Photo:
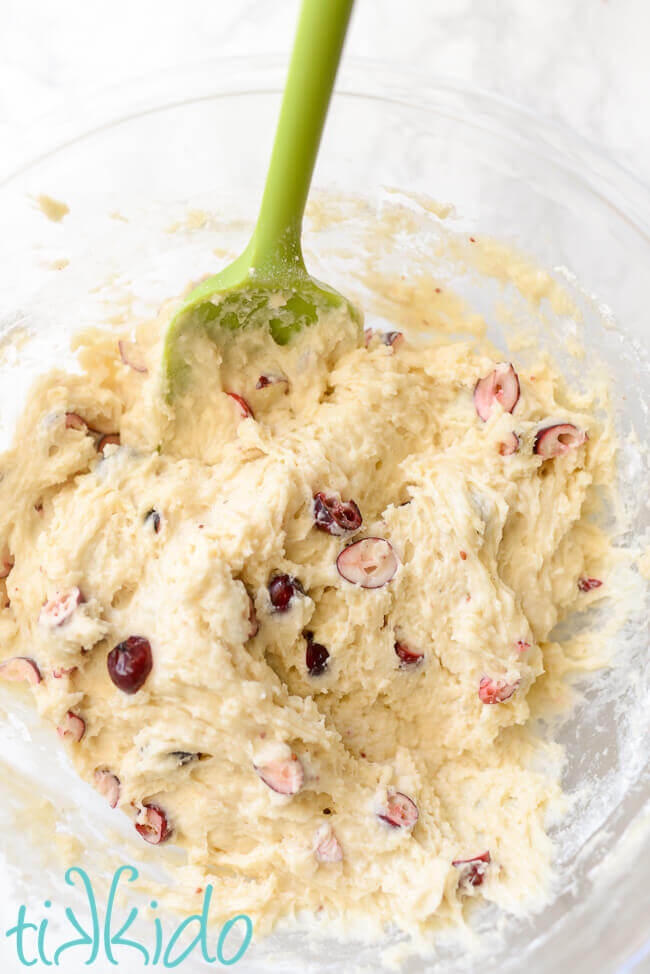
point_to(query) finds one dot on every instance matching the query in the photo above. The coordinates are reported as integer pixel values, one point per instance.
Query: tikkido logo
(32, 943)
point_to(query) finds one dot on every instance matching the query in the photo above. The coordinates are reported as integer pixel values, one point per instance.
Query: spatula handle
(316, 54)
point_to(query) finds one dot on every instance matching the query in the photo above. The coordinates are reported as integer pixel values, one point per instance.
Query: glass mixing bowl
(148, 155)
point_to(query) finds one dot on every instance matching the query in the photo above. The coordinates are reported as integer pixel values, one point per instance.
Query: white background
(583, 62)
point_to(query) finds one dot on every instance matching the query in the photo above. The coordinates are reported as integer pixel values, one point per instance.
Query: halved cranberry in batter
(282, 589)
(369, 563)
(73, 727)
(58, 610)
(130, 663)
(588, 584)
(472, 871)
(316, 656)
(495, 691)
(283, 773)
(558, 440)
(20, 669)
(245, 410)
(107, 440)
(272, 379)
(131, 355)
(327, 847)
(509, 445)
(407, 655)
(501, 385)
(108, 785)
(73, 421)
(154, 827)
(335, 516)
(401, 811)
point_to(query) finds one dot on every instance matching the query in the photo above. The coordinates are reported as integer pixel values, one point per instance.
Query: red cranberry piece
(152, 518)
(401, 811)
(472, 871)
(392, 338)
(327, 847)
(495, 691)
(131, 356)
(245, 410)
(280, 769)
(59, 609)
(522, 645)
(272, 379)
(369, 563)
(407, 656)
(335, 516)
(154, 828)
(107, 440)
(60, 671)
(282, 588)
(108, 785)
(73, 421)
(510, 445)
(587, 584)
(501, 385)
(316, 656)
(556, 441)
(72, 726)
(130, 663)
(20, 668)
(6, 563)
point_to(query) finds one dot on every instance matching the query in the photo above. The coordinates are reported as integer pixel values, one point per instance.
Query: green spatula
(268, 285)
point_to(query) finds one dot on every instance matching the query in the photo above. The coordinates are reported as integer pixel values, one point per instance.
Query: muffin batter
(299, 625)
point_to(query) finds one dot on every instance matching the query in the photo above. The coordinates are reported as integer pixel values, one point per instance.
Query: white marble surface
(581, 62)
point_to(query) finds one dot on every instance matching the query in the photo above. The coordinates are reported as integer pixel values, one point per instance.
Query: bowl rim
(614, 184)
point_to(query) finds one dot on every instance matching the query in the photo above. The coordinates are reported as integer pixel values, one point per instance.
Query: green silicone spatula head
(268, 285)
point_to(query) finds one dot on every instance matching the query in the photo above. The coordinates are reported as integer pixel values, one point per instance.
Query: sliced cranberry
(59, 609)
(152, 517)
(244, 409)
(282, 589)
(327, 847)
(501, 385)
(510, 445)
(392, 338)
(20, 668)
(6, 562)
(282, 773)
(368, 336)
(72, 726)
(556, 441)
(522, 646)
(401, 811)
(407, 657)
(316, 656)
(472, 871)
(587, 584)
(272, 379)
(73, 421)
(369, 563)
(131, 356)
(108, 785)
(60, 671)
(130, 663)
(495, 691)
(108, 440)
(335, 516)
(154, 828)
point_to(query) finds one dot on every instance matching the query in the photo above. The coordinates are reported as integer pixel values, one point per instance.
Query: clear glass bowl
(200, 139)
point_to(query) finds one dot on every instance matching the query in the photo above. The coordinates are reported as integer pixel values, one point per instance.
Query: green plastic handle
(314, 62)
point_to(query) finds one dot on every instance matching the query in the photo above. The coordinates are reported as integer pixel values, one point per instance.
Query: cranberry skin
(407, 656)
(130, 663)
(472, 871)
(282, 589)
(316, 656)
(588, 584)
(335, 516)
